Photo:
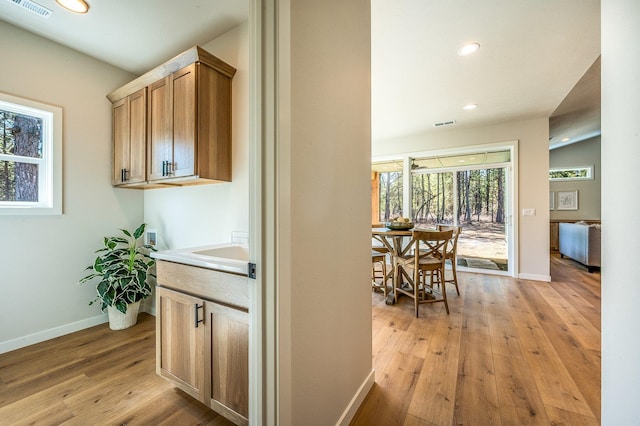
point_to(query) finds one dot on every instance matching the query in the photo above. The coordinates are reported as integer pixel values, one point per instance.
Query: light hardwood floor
(512, 352)
(94, 377)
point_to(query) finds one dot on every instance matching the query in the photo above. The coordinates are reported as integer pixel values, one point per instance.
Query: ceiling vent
(444, 123)
(33, 7)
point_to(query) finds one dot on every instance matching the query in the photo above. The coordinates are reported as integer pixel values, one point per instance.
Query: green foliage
(122, 267)
(390, 195)
(577, 173)
(478, 196)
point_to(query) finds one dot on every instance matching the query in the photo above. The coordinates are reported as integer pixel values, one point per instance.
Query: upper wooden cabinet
(187, 121)
(130, 138)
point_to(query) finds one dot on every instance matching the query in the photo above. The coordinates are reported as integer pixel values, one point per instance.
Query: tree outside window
(387, 191)
(30, 157)
(20, 144)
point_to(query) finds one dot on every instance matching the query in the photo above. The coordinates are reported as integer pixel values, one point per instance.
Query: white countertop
(237, 264)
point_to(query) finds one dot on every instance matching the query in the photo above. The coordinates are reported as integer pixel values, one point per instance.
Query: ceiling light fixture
(469, 107)
(468, 49)
(75, 6)
(566, 139)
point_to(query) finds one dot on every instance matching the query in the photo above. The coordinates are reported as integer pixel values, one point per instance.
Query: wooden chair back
(430, 248)
(453, 245)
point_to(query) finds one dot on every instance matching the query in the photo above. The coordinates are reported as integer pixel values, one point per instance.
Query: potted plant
(123, 267)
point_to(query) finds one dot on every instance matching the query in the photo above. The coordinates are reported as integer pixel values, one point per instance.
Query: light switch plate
(528, 212)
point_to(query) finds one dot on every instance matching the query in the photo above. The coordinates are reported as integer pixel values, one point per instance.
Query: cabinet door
(129, 138)
(120, 140)
(137, 136)
(160, 129)
(228, 338)
(180, 341)
(183, 92)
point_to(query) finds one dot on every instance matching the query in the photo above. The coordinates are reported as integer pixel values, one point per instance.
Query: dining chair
(452, 252)
(376, 245)
(379, 257)
(426, 260)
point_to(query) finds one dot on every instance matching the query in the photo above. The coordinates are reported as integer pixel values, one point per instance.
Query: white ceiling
(532, 52)
(134, 35)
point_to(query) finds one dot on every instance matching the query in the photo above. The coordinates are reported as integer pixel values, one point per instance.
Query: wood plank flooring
(512, 352)
(94, 377)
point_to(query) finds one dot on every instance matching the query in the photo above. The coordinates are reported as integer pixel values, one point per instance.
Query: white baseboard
(534, 277)
(52, 333)
(357, 399)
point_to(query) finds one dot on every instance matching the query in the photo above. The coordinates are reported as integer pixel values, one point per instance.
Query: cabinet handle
(124, 175)
(172, 167)
(196, 308)
(164, 168)
(121, 175)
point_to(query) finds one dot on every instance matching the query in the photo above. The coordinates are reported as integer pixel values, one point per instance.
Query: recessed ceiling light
(76, 6)
(468, 49)
(469, 107)
(566, 139)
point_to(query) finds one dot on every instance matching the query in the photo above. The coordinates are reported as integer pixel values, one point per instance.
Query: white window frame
(49, 166)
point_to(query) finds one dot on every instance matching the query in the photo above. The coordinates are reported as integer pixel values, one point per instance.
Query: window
(471, 187)
(432, 198)
(387, 195)
(459, 189)
(30, 157)
(571, 173)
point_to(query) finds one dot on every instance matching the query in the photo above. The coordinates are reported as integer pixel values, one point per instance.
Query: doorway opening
(472, 189)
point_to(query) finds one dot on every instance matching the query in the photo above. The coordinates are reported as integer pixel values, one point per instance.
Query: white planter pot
(120, 321)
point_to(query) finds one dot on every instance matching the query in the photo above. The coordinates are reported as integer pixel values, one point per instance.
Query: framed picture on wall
(567, 200)
(552, 200)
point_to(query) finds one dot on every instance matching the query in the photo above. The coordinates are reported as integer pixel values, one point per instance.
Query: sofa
(581, 242)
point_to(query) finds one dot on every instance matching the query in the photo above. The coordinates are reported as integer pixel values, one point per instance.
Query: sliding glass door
(474, 196)
(473, 190)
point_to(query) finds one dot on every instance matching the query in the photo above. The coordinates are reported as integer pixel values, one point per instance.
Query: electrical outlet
(528, 212)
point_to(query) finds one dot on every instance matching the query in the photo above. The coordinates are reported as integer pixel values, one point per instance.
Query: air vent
(444, 123)
(33, 7)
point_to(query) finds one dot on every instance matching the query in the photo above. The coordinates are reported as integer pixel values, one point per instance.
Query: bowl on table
(399, 226)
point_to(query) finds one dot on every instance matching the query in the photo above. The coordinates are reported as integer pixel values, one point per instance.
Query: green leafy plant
(123, 267)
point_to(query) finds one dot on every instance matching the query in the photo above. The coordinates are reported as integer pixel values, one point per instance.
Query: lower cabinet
(227, 336)
(203, 348)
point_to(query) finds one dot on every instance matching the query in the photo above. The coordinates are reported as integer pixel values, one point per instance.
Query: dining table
(398, 242)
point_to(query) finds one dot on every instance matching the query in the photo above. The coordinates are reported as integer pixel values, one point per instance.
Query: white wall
(620, 206)
(533, 178)
(585, 153)
(198, 215)
(323, 174)
(42, 258)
